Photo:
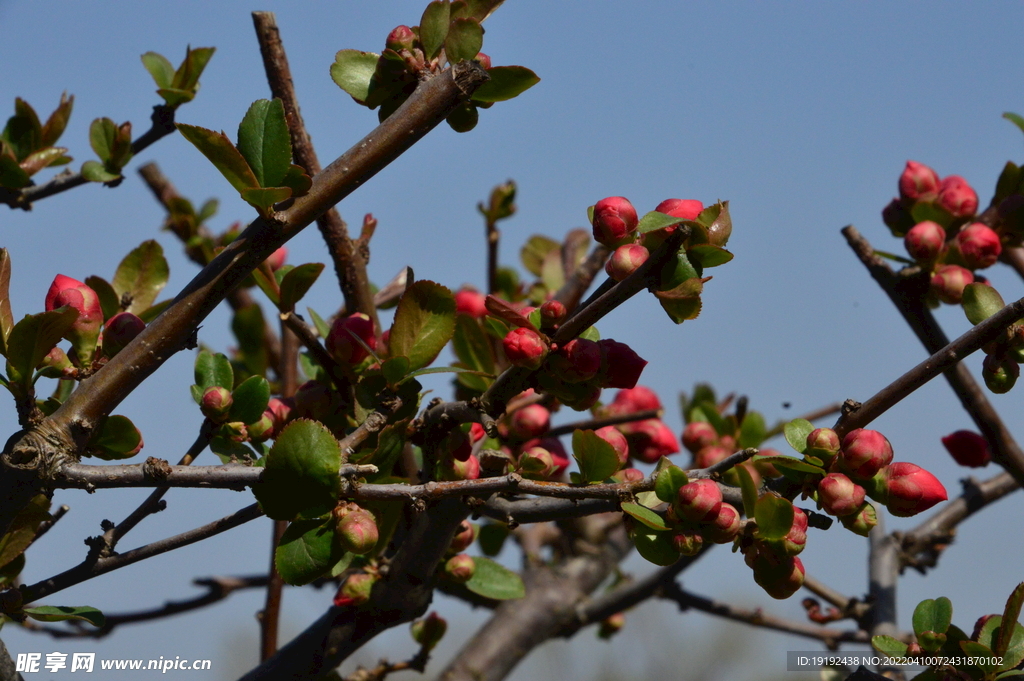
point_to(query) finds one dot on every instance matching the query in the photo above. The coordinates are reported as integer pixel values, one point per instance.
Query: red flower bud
(688, 209)
(476, 433)
(119, 331)
(216, 404)
(925, 240)
(957, 197)
(263, 429)
(281, 409)
(463, 537)
(341, 344)
(688, 542)
(485, 60)
(620, 366)
(640, 398)
(839, 495)
(699, 434)
(865, 452)
(795, 540)
(699, 501)
(86, 329)
(823, 443)
(980, 245)
(911, 489)
(429, 631)
(651, 439)
(625, 260)
(709, 456)
(470, 301)
(276, 259)
(780, 581)
(552, 313)
(460, 568)
(234, 431)
(357, 532)
(617, 440)
(453, 469)
(577, 361)
(725, 527)
(558, 454)
(537, 462)
(862, 521)
(400, 38)
(629, 475)
(615, 220)
(919, 182)
(949, 281)
(968, 448)
(531, 421)
(525, 348)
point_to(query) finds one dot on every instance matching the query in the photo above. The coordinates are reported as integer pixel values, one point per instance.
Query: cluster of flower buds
(355, 528)
(649, 439)
(708, 447)
(774, 561)
(698, 515)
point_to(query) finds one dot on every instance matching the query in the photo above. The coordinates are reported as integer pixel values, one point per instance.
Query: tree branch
(158, 473)
(575, 286)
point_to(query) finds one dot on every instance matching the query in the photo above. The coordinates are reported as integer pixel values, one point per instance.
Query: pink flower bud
(471, 302)
(796, 539)
(356, 590)
(429, 631)
(537, 462)
(611, 625)
(531, 421)
(1000, 373)
(919, 182)
(216, 404)
(119, 331)
(957, 197)
(632, 400)
(725, 527)
(476, 433)
(779, 581)
(839, 495)
(925, 240)
(968, 448)
(460, 568)
(234, 431)
(699, 501)
(457, 444)
(341, 344)
(620, 366)
(823, 443)
(651, 439)
(463, 537)
(485, 60)
(263, 429)
(709, 456)
(55, 362)
(687, 209)
(552, 313)
(281, 410)
(862, 521)
(980, 245)
(688, 542)
(358, 532)
(276, 259)
(525, 348)
(629, 475)
(615, 220)
(865, 452)
(949, 281)
(911, 489)
(459, 470)
(625, 260)
(400, 38)
(65, 291)
(699, 434)
(617, 440)
(577, 361)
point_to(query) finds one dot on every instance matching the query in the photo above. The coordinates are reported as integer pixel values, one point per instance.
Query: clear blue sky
(800, 114)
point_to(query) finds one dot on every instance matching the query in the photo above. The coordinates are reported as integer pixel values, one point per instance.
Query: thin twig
(158, 473)
(304, 334)
(575, 286)
(594, 424)
(812, 416)
(47, 525)
(94, 568)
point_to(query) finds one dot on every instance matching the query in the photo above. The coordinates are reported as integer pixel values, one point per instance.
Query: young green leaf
(1015, 119)
(57, 122)
(263, 199)
(424, 323)
(471, 344)
(395, 369)
(141, 276)
(981, 301)
(264, 142)
(59, 613)
(301, 472)
(160, 68)
(506, 82)
(23, 528)
(307, 550)
(353, 71)
(464, 40)
(249, 400)
(434, 27)
(117, 438)
(654, 220)
(32, 338)
(493, 580)
(94, 171)
(668, 482)
(887, 645)
(933, 615)
(6, 314)
(596, 458)
(774, 516)
(222, 153)
(1011, 613)
(297, 282)
(213, 370)
(533, 252)
(796, 432)
(655, 547)
(645, 516)
(322, 327)
(753, 430)
(187, 76)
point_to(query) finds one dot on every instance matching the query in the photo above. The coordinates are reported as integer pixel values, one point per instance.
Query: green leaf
(110, 302)
(790, 463)
(1015, 119)
(933, 615)
(11, 174)
(117, 438)
(707, 255)
(228, 451)
(506, 82)
(32, 338)
(301, 472)
(654, 221)
(668, 482)
(390, 442)
(352, 71)
(716, 220)
(981, 301)
(753, 431)
(59, 613)
(175, 97)
(307, 550)
(213, 370)
(645, 516)
(57, 122)
(297, 282)
(492, 537)
(774, 516)
(264, 199)
(395, 369)
(249, 400)
(187, 76)
(492, 580)
(434, 27)
(708, 413)
(160, 68)
(887, 645)
(222, 153)
(471, 344)
(1011, 613)
(591, 334)
(322, 327)
(983, 652)
(930, 211)
(102, 137)
(94, 171)
(264, 142)
(424, 323)
(552, 272)
(796, 432)
(596, 458)
(247, 325)
(23, 528)
(6, 314)
(533, 252)
(141, 275)
(464, 40)
(655, 547)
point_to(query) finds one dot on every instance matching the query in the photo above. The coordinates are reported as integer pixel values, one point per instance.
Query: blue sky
(801, 115)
